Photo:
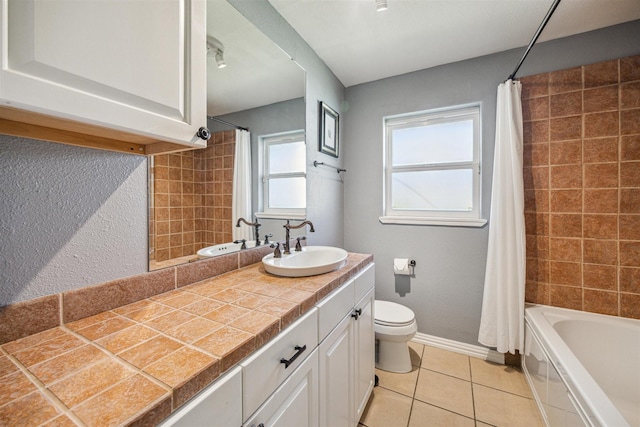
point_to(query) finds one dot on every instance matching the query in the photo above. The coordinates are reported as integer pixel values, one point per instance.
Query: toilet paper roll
(401, 266)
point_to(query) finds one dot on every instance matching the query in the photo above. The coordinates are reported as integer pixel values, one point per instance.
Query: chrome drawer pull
(299, 351)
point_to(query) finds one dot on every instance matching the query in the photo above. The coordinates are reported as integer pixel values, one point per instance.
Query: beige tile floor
(450, 389)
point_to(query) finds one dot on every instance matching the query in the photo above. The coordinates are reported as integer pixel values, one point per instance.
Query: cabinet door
(132, 66)
(295, 402)
(336, 377)
(364, 350)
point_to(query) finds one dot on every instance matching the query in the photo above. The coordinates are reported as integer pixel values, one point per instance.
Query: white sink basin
(223, 248)
(310, 261)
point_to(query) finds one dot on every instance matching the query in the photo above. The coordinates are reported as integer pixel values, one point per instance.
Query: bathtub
(583, 368)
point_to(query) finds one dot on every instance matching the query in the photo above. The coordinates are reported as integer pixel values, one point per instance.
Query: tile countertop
(135, 364)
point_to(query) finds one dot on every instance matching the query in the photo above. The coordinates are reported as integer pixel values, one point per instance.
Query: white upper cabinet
(136, 67)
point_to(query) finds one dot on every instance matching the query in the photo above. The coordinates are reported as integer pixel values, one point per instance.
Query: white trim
(450, 221)
(268, 215)
(460, 347)
(465, 112)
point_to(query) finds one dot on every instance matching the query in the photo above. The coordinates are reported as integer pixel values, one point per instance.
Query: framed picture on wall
(329, 125)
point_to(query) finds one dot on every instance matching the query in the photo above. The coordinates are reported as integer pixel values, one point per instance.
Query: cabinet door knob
(356, 313)
(203, 133)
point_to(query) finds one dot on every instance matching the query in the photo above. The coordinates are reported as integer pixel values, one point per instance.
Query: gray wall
(446, 292)
(69, 217)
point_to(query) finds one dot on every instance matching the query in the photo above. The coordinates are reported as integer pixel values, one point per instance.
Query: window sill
(450, 222)
(266, 215)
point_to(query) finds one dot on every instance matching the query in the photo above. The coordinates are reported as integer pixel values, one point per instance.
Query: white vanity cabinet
(218, 405)
(128, 70)
(278, 382)
(295, 402)
(319, 371)
(347, 352)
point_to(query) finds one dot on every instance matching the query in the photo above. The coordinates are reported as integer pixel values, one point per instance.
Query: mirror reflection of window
(284, 179)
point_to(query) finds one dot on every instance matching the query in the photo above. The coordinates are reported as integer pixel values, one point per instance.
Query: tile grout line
(43, 389)
(473, 400)
(415, 387)
(471, 383)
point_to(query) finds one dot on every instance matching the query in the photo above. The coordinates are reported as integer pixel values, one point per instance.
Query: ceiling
(258, 72)
(361, 45)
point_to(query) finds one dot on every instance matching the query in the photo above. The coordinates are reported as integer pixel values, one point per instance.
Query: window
(432, 167)
(283, 170)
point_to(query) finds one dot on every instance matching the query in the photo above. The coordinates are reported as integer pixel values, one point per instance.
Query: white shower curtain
(241, 196)
(502, 322)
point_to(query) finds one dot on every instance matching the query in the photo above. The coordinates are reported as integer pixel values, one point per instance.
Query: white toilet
(394, 326)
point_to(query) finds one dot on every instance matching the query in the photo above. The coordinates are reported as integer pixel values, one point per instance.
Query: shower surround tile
(600, 150)
(565, 152)
(630, 148)
(192, 199)
(601, 74)
(601, 99)
(591, 256)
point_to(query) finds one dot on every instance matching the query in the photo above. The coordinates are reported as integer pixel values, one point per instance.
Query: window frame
(472, 218)
(264, 142)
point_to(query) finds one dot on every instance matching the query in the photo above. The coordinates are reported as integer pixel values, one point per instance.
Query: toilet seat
(389, 313)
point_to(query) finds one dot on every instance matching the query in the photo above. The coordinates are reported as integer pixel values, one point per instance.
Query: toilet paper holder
(403, 266)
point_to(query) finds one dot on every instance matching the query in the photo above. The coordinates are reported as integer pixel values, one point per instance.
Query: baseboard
(460, 347)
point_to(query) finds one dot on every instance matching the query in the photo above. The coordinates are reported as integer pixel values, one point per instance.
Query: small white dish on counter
(223, 249)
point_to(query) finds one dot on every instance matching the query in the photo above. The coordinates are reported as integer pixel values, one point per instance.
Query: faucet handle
(266, 238)
(244, 243)
(298, 245)
(276, 252)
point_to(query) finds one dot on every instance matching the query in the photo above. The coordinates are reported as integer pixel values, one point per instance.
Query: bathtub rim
(581, 385)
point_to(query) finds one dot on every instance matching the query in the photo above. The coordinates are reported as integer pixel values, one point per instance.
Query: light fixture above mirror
(216, 48)
(381, 5)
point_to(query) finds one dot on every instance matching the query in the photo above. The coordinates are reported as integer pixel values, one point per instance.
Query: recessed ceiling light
(381, 5)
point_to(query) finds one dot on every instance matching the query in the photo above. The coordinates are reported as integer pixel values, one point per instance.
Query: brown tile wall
(192, 199)
(582, 187)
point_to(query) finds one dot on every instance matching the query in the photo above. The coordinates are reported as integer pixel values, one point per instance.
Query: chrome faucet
(289, 227)
(255, 225)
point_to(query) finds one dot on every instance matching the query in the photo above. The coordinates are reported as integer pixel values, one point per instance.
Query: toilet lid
(391, 314)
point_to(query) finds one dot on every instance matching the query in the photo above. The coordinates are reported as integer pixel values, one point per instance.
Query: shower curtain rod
(535, 37)
(227, 123)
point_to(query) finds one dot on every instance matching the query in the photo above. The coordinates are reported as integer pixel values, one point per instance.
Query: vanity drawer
(364, 281)
(264, 371)
(334, 307)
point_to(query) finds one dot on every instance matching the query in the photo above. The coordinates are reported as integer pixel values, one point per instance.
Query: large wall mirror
(261, 89)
